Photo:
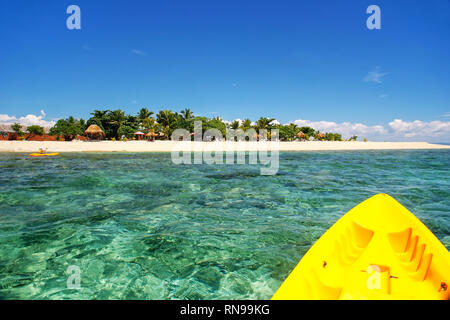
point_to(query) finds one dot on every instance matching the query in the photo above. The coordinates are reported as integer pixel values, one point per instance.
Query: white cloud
(138, 52)
(4, 118)
(28, 120)
(419, 128)
(397, 130)
(347, 129)
(238, 120)
(375, 76)
(446, 115)
(275, 122)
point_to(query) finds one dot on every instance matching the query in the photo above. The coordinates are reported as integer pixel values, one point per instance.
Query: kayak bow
(378, 250)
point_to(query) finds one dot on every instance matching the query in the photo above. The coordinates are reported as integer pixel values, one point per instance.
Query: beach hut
(151, 136)
(320, 136)
(139, 135)
(94, 132)
(301, 135)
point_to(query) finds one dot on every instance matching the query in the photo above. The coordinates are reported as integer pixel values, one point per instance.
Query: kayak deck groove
(378, 250)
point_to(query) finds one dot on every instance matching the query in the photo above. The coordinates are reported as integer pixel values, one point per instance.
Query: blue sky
(309, 60)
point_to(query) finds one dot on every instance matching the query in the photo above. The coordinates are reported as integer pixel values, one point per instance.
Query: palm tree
(133, 122)
(235, 125)
(99, 117)
(186, 119)
(264, 123)
(116, 119)
(188, 115)
(246, 124)
(144, 113)
(149, 124)
(292, 131)
(310, 132)
(99, 114)
(168, 120)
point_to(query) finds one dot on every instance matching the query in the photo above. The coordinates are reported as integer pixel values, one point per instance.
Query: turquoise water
(139, 227)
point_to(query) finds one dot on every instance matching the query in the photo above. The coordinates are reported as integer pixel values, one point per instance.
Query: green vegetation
(333, 136)
(37, 130)
(117, 125)
(68, 128)
(126, 132)
(288, 132)
(246, 124)
(17, 127)
(234, 125)
(167, 121)
(215, 123)
(292, 132)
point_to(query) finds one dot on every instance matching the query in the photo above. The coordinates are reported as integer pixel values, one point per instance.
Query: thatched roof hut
(301, 135)
(320, 136)
(151, 134)
(94, 132)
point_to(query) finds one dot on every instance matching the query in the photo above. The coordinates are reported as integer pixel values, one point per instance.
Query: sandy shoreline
(168, 146)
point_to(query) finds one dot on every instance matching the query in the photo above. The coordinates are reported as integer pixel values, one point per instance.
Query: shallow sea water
(140, 227)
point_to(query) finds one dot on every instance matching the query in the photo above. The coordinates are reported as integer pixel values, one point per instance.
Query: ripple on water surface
(139, 227)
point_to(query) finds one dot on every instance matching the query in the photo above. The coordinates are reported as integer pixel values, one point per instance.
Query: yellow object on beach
(44, 154)
(378, 250)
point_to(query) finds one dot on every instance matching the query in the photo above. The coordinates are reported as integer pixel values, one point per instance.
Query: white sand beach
(168, 146)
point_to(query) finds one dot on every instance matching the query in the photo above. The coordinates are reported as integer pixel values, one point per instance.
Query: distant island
(108, 130)
(117, 125)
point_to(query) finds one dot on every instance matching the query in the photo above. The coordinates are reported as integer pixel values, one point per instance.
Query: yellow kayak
(378, 250)
(44, 154)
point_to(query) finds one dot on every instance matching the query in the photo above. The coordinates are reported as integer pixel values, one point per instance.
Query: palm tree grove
(116, 124)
